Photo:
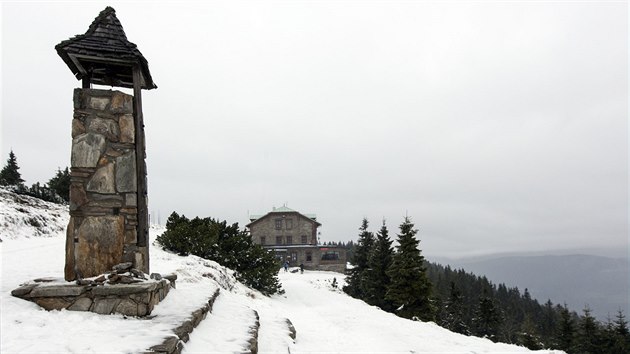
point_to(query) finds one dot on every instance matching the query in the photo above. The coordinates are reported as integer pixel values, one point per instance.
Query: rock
(131, 200)
(123, 289)
(87, 150)
(127, 129)
(69, 268)
(155, 276)
(103, 181)
(23, 290)
(126, 173)
(122, 267)
(100, 244)
(104, 306)
(99, 103)
(168, 345)
(81, 304)
(77, 128)
(53, 303)
(107, 127)
(113, 278)
(126, 279)
(138, 274)
(44, 280)
(100, 279)
(58, 291)
(84, 282)
(121, 103)
(78, 197)
(291, 328)
(127, 307)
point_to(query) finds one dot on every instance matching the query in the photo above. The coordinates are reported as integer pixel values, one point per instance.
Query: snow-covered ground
(326, 320)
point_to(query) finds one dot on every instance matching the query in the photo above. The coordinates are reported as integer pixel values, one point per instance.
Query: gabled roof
(104, 55)
(282, 210)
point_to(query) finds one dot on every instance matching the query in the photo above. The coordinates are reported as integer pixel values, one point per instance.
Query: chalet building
(293, 237)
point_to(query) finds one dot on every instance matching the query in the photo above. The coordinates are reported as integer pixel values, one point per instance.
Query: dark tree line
(56, 190)
(404, 283)
(225, 244)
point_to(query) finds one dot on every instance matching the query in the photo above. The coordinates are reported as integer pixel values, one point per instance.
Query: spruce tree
(60, 184)
(487, 318)
(588, 333)
(454, 312)
(409, 290)
(356, 281)
(9, 175)
(565, 335)
(379, 261)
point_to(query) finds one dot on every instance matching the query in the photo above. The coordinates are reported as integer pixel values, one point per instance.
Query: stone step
(276, 334)
(175, 343)
(231, 328)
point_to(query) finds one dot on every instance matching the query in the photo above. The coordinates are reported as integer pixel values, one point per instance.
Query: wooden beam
(143, 212)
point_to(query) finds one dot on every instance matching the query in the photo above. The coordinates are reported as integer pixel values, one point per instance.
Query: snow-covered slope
(22, 216)
(326, 319)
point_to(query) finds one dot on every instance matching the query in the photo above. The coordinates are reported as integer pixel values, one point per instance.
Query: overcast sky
(497, 126)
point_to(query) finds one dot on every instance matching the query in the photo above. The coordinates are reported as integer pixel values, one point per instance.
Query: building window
(304, 239)
(278, 240)
(330, 256)
(289, 240)
(309, 256)
(289, 224)
(293, 256)
(262, 240)
(278, 224)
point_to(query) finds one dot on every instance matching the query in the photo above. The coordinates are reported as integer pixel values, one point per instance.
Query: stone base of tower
(103, 228)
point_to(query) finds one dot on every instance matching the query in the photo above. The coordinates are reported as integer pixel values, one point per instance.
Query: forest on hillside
(401, 281)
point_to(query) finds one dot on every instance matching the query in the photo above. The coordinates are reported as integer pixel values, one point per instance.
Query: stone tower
(108, 193)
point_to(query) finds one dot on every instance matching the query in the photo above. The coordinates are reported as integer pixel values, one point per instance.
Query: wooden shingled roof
(103, 54)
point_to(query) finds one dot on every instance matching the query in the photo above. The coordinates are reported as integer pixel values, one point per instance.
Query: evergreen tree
(588, 333)
(409, 290)
(9, 175)
(529, 337)
(487, 318)
(621, 339)
(376, 280)
(453, 318)
(60, 184)
(356, 281)
(565, 337)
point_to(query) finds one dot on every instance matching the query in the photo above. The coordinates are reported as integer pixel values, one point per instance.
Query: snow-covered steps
(174, 344)
(276, 334)
(231, 327)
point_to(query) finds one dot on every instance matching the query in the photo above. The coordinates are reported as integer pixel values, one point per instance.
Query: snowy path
(328, 321)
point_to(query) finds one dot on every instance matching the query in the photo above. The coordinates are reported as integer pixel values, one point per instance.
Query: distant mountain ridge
(578, 280)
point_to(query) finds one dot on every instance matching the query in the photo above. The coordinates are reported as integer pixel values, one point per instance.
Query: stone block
(78, 197)
(105, 306)
(87, 150)
(81, 304)
(100, 244)
(69, 268)
(54, 303)
(169, 345)
(127, 129)
(131, 200)
(23, 290)
(127, 307)
(131, 237)
(57, 291)
(103, 180)
(98, 103)
(104, 126)
(106, 201)
(121, 103)
(126, 173)
(124, 289)
(78, 128)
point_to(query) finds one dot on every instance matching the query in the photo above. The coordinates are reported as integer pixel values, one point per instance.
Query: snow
(325, 318)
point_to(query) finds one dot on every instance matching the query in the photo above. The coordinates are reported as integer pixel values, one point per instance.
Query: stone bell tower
(108, 193)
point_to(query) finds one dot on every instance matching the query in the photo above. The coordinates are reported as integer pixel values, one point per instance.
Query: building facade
(292, 236)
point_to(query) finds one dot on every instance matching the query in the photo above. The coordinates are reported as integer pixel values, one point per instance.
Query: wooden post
(143, 213)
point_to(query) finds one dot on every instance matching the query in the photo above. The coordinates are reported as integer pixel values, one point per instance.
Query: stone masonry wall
(103, 194)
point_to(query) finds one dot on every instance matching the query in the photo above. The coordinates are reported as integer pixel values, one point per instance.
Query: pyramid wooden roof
(103, 54)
